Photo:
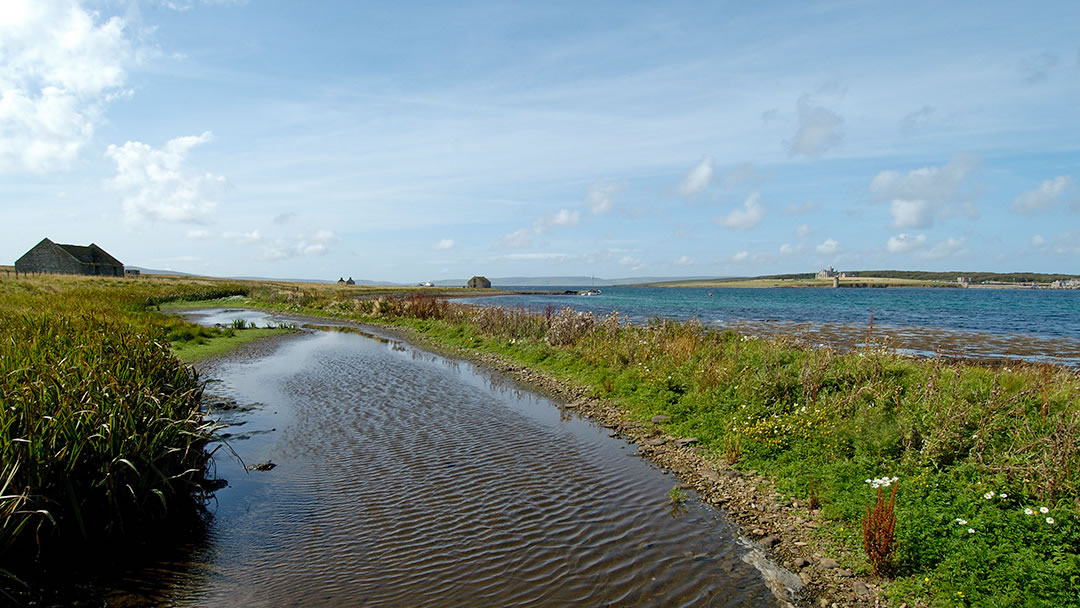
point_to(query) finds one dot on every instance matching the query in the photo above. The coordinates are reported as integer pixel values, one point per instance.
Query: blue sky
(410, 141)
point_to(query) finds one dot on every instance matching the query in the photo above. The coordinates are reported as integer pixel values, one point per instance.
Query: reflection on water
(408, 479)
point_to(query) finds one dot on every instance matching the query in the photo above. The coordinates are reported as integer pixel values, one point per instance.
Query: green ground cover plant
(102, 436)
(986, 459)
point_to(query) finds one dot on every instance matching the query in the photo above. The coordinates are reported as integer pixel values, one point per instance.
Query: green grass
(192, 351)
(101, 433)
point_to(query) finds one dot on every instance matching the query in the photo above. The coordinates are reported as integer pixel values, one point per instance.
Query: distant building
(478, 283)
(963, 281)
(48, 256)
(848, 275)
(350, 282)
(1066, 284)
(341, 281)
(827, 274)
(132, 272)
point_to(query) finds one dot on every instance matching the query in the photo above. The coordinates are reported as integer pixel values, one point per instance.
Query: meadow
(101, 431)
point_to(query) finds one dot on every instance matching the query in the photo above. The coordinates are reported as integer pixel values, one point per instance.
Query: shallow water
(408, 479)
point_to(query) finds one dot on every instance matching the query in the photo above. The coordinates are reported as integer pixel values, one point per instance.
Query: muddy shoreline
(776, 530)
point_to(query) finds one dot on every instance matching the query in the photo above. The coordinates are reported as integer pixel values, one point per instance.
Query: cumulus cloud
(746, 218)
(633, 263)
(698, 178)
(158, 187)
(819, 130)
(829, 247)
(60, 65)
(601, 197)
(303, 245)
(904, 243)
(564, 217)
(911, 214)
(445, 244)
(684, 261)
(802, 230)
(741, 256)
(921, 196)
(1042, 197)
(786, 249)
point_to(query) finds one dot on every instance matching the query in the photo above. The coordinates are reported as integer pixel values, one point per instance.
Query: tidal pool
(404, 478)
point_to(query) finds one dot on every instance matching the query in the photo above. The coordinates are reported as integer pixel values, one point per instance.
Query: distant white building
(827, 274)
(964, 281)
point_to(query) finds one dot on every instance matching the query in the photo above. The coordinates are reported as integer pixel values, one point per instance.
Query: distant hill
(950, 276)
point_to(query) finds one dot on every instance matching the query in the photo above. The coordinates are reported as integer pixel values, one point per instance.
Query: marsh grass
(101, 433)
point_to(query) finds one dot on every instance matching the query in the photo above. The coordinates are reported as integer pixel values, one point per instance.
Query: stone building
(478, 282)
(48, 256)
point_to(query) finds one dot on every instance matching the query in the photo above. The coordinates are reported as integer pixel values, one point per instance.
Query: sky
(412, 141)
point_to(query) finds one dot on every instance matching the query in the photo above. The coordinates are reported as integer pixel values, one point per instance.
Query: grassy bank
(101, 434)
(987, 459)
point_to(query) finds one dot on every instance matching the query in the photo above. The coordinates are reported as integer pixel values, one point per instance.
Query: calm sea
(1012, 323)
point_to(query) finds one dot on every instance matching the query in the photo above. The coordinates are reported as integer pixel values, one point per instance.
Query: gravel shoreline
(793, 563)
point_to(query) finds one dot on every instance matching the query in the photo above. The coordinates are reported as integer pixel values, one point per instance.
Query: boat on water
(590, 292)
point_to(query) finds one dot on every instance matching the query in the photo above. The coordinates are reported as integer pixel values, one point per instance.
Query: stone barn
(478, 282)
(48, 256)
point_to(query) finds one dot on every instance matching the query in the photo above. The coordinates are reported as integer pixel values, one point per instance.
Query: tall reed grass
(101, 433)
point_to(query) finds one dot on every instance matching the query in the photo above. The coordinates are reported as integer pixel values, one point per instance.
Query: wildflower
(989, 495)
(1049, 520)
(1044, 510)
(1028, 511)
(1003, 495)
(971, 530)
(962, 522)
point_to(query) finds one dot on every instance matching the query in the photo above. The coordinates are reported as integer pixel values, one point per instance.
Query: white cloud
(60, 65)
(950, 247)
(927, 183)
(829, 247)
(698, 178)
(746, 218)
(302, 246)
(633, 263)
(198, 234)
(1042, 197)
(903, 243)
(1037, 241)
(741, 256)
(684, 261)
(519, 239)
(564, 217)
(923, 195)
(157, 185)
(241, 237)
(911, 214)
(445, 244)
(819, 130)
(802, 230)
(601, 197)
(787, 249)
